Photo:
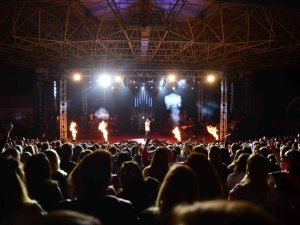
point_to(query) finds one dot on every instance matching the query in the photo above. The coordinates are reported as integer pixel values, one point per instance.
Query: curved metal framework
(183, 34)
(143, 73)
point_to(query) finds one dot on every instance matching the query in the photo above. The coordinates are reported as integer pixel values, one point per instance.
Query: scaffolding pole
(63, 109)
(200, 102)
(223, 109)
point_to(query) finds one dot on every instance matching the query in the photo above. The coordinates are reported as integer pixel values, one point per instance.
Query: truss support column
(200, 102)
(63, 134)
(223, 109)
(85, 104)
(84, 98)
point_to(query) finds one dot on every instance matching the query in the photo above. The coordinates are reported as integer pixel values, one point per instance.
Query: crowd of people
(150, 183)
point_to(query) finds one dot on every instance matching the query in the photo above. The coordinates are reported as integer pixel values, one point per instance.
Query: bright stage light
(181, 83)
(77, 77)
(211, 78)
(104, 80)
(171, 78)
(118, 79)
(162, 82)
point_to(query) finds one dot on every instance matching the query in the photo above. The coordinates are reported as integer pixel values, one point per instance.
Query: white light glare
(118, 79)
(171, 78)
(181, 83)
(104, 80)
(211, 78)
(77, 77)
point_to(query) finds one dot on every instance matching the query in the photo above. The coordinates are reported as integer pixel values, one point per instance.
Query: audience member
(239, 171)
(179, 186)
(65, 153)
(92, 180)
(39, 182)
(255, 187)
(57, 174)
(210, 186)
(141, 192)
(66, 217)
(220, 212)
(16, 207)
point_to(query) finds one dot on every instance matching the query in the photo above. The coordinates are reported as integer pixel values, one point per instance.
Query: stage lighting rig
(104, 80)
(77, 77)
(210, 78)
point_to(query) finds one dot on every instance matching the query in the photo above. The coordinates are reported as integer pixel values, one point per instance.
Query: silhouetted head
(67, 217)
(221, 212)
(179, 186)
(95, 172)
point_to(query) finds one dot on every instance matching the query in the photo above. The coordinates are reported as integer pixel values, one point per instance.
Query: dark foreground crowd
(154, 183)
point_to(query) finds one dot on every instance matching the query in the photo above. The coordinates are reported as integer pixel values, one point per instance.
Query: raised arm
(7, 130)
(145, 153)
(274, 150)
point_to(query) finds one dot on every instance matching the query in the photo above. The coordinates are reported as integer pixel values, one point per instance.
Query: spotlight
(104, 80)
(77, 77)
(171, 78)
(118, 79)
(181, 83)
(162, 82)
(211, 78)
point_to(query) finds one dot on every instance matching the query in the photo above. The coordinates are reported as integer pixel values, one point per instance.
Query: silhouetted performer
(147, 128)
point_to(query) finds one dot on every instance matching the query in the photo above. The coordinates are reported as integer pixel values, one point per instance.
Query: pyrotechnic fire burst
(102, 127)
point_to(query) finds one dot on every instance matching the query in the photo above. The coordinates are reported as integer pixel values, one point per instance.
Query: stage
(140, 138)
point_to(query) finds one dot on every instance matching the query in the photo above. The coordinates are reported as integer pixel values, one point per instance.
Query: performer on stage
(147, 128)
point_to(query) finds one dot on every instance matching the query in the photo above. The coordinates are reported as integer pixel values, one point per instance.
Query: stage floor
(140, 138)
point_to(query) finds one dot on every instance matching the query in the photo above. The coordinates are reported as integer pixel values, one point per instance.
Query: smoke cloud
(173, 103)
(102, 114)
(209, 108)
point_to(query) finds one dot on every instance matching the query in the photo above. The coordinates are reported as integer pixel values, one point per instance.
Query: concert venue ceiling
(150, 34)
